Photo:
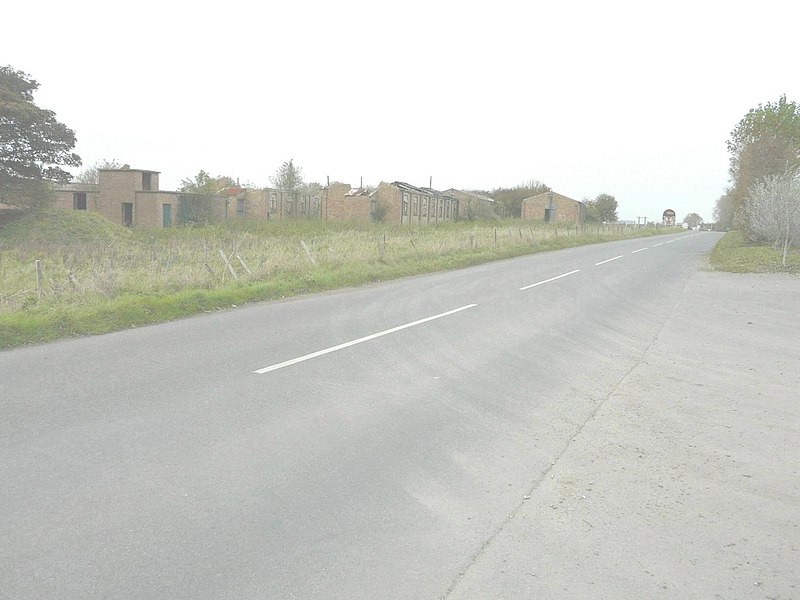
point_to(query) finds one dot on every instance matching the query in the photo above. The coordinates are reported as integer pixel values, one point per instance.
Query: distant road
(369, 443)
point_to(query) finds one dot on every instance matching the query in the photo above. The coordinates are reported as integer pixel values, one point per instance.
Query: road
(368, 443)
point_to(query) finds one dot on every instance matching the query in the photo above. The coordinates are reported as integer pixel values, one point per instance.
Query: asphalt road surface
(527, 428)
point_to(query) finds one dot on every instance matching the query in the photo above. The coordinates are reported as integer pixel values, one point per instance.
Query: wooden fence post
(308, 253)
(38, 279)
(228, 264)
(239, 258)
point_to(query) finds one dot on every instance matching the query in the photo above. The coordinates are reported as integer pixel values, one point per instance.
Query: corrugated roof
(419, 190)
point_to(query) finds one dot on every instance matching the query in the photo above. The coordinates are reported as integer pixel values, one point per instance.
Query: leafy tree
(472, 208)
(288, 178)
(602, 209)
(723, 211)
(33, 144)
(513, 197)
(200, 195)
(203, 183)
(772, 211)
(765, 143)
(693, 220)
(91, 174)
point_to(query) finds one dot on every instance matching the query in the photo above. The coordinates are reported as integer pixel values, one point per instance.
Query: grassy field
(95, 277)
(736, 254)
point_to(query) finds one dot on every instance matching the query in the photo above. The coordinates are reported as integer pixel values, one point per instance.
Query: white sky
(634, 99)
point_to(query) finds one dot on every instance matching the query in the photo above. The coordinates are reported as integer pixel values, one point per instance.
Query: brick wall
(66, 199)
(333, 201)
(390, 201)
(117, 186)
(149, 209)
(339, 206)
(421, 206)
(567, 210)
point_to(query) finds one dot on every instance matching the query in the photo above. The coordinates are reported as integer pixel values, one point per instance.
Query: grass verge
(96, 277)
(734, 253)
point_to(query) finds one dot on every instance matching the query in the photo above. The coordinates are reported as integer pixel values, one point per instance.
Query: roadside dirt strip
(686, 481)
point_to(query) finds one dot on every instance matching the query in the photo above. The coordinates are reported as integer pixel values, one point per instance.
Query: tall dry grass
(88, 264)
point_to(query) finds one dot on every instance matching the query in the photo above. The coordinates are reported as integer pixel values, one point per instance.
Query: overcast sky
(634, 99)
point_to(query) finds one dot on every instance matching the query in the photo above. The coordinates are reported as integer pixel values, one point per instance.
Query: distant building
(270, 204)
(405, 204)
(552, 207)
(397, 203)
(132, 197)
(126, 196)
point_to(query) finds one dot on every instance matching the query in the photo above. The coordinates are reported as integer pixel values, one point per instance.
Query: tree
(723, 211)
(200, 194)
(772, 211)
(512, 197)
(765, 143)
(33, 144)
(91, 174)
(288, 178)
(206, 184)
(602, 209)
(693, 220)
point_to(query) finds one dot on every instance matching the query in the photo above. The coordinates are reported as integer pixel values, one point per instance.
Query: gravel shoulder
(685, 483)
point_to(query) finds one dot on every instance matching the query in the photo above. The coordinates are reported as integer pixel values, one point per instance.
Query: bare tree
(772, 211)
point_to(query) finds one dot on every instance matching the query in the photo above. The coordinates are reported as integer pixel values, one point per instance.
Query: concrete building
(552, 207)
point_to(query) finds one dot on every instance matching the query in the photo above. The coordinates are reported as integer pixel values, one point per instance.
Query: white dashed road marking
(602, 262)
(300, 359)
(527, 287)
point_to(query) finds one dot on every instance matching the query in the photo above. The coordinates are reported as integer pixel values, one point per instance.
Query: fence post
(308, 253)
(239, 258)
(38, 279)
(228, 264)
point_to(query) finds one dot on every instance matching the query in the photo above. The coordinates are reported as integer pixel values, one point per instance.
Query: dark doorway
(127, 214)
(79, 201)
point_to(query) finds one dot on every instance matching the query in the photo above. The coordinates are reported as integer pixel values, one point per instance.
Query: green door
(167, 215)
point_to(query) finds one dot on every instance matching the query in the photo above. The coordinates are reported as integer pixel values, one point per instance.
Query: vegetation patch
(65, 273)
(734, 253)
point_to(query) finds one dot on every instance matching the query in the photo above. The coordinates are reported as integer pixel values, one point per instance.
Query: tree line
(763, 199)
